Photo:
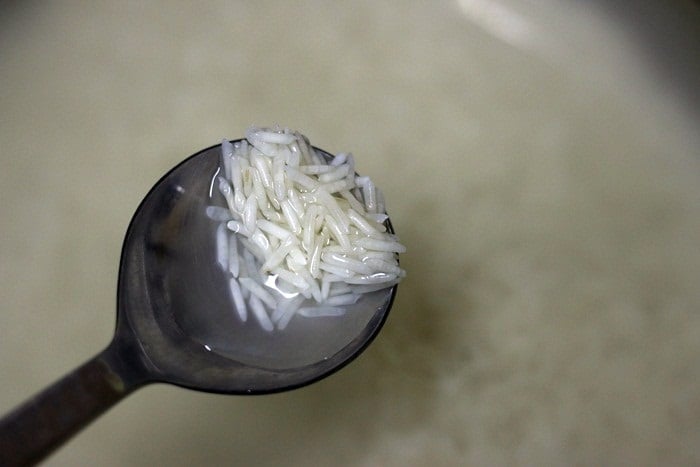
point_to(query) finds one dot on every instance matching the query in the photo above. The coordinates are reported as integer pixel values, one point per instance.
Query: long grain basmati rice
(298, 229)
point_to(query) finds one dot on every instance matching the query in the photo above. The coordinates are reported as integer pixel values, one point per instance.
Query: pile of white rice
(300, 235)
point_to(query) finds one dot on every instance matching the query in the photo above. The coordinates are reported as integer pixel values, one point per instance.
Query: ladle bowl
(167, 284)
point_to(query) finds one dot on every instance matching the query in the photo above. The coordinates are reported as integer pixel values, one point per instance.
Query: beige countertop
(541, 163)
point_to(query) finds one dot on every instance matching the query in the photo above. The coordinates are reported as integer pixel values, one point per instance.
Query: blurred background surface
(541, 161)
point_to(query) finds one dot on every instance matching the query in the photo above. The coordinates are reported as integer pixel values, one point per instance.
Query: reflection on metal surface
(500, 21)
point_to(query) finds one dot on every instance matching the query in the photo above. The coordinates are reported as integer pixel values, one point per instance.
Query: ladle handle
(34, 429)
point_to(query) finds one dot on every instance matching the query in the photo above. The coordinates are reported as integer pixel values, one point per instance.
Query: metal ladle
(166, 284)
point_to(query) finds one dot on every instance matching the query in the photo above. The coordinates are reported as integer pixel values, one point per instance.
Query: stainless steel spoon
(170, 299)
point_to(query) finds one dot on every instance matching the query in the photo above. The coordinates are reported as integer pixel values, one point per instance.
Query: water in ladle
(203, 309)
